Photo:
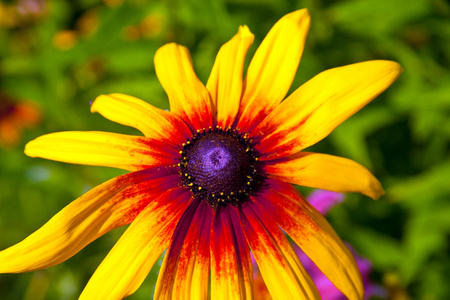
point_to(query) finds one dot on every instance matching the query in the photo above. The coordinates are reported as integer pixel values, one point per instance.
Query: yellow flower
(212, 177)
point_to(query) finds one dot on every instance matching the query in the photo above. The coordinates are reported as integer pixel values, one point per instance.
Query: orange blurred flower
(14, 117)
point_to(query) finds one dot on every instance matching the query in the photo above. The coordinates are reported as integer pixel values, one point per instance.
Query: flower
(323, 201)
(14, 117)
(212, 177)
(22, 12)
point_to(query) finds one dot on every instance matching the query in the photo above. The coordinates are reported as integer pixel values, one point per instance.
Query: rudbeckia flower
(210, 180)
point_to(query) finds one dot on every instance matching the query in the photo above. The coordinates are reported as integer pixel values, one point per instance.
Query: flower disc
(218, 166)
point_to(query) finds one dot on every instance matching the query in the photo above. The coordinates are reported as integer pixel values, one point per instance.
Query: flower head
(212, 177)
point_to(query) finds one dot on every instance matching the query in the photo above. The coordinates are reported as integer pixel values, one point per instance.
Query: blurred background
(57, 56)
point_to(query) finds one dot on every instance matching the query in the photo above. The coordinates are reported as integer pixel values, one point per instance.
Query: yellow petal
(273, 68)
(225, 81)
(102, 149)
(108, 206)
(131, 259)
(231, 267)
(280, 267)
(326, 172)
(312, 233)
(185, 270)
(151, 121)
(321, 104)
(188, 97)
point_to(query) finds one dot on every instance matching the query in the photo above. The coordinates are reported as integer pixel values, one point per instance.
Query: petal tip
(244, 31)
(31, 148)
(391, 67)
(95, 104)
(300, 15)
(398, 69)
(28, 149)
(376, 190)
(168, 47)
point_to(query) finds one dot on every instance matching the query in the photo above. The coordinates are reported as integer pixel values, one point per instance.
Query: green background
(403, 137)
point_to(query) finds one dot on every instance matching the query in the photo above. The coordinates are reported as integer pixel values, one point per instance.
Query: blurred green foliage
(62, 54)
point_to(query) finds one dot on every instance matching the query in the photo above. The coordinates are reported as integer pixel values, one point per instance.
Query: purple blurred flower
(327, 290)
(31, 7)
(323, 201)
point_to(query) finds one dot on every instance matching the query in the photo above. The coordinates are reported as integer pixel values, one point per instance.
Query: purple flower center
(218, 166)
